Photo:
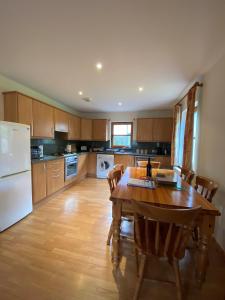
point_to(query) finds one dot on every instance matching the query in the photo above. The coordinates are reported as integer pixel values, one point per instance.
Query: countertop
(54, 157)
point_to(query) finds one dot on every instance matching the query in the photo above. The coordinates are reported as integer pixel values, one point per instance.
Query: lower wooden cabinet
(125, 159)
(39, 189)
(82, 166)
(92, 162)
(55, 175)
(165, 161)
(47, 178)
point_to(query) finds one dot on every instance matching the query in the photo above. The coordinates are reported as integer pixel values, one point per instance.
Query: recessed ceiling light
(99, 66)
(80, 93)
(120, 103)
(140, 89)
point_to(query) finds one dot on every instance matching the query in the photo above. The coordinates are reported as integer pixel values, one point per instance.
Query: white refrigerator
(15, 173)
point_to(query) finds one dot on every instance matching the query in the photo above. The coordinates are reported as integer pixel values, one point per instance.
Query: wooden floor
(59, 253)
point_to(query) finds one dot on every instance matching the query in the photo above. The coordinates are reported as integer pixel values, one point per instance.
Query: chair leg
(140, 278)
(110, 234)
(178, 278)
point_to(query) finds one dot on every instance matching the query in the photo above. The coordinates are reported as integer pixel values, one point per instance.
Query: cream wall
(1, 107)
(212, 138)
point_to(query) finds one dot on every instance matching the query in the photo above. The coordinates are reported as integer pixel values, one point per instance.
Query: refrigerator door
(15, 198)
(14, 148)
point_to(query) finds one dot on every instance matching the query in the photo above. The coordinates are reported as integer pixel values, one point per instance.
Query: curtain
(176, 120)
(188, 136)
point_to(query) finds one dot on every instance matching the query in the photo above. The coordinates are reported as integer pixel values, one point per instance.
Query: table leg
(116, 234)
(206, 230)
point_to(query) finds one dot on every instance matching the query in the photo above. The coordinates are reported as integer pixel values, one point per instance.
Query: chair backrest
(143, 164)
(119, 167)
(187, 175)
(161, 231)
(206, 187)
(113, 178)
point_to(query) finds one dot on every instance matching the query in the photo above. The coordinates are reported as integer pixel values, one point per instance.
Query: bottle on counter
(149, 168)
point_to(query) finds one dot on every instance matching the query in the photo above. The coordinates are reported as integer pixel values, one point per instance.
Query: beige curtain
(176, 120)
(188, 136)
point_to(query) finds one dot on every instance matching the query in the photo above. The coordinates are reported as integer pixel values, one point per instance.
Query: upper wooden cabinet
(144, 130)
(100, 130)
(162, 129)
(43, 120)
(74, 128)
(61, 120)
(154, 130)
(18, 108)
(86, 129)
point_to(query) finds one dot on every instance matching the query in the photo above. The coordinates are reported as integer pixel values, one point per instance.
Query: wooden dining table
(180, 195)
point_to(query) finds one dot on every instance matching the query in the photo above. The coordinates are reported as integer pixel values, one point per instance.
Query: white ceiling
(52, 46)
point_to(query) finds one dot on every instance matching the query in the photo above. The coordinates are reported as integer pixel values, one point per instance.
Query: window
(180, 139)
(121, 136)
(195, 139)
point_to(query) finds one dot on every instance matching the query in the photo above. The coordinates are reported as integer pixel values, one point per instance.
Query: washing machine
(105, 163)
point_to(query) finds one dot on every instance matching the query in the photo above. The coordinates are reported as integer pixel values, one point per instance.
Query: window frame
(131, 134)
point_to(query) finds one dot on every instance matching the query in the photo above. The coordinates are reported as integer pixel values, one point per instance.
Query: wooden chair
(113, 178)
(161, 232)
(206, 187)
(143, 164)
(119, 167)
(187, 175)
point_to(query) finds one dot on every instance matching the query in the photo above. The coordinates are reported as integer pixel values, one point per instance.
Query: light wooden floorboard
(59, 252)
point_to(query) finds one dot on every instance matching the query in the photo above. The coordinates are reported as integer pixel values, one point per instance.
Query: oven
(71, 166)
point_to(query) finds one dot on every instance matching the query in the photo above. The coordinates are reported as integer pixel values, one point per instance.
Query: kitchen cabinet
(74, 128)
(86, 129)
(43, 120)
(162, 129)
(165, 161)
(154, 129)
(92, 162)
(100, 130)
(39, 188)
(82, 166)
(124, 159)
(144, 130)
(61, 120)
(18, 108)
(55, 175)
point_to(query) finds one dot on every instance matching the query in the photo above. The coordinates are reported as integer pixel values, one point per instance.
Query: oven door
(70, 167)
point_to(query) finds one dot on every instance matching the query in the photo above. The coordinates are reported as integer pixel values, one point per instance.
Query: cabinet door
(144, 130)
(124, 159)
(86, 129)
(43, 120)
(25, 111)
(38, 181)
(61, 120)
(100, 130)
(162, 129)
(82, 165)
(55, 175)
(74, 128)
(165, 161)
(92, 162)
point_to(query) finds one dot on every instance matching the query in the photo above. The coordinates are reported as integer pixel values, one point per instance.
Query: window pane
(181, 139)
(121, 140)
(121, 129)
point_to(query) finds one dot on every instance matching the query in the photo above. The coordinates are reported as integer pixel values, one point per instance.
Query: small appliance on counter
(41, 148)
(37, 152)
(68, 148)
(83, 148)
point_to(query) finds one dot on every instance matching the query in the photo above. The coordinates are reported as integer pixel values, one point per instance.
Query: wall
(7, 84)
(1, 106)
(212, 138)
(129, 116)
